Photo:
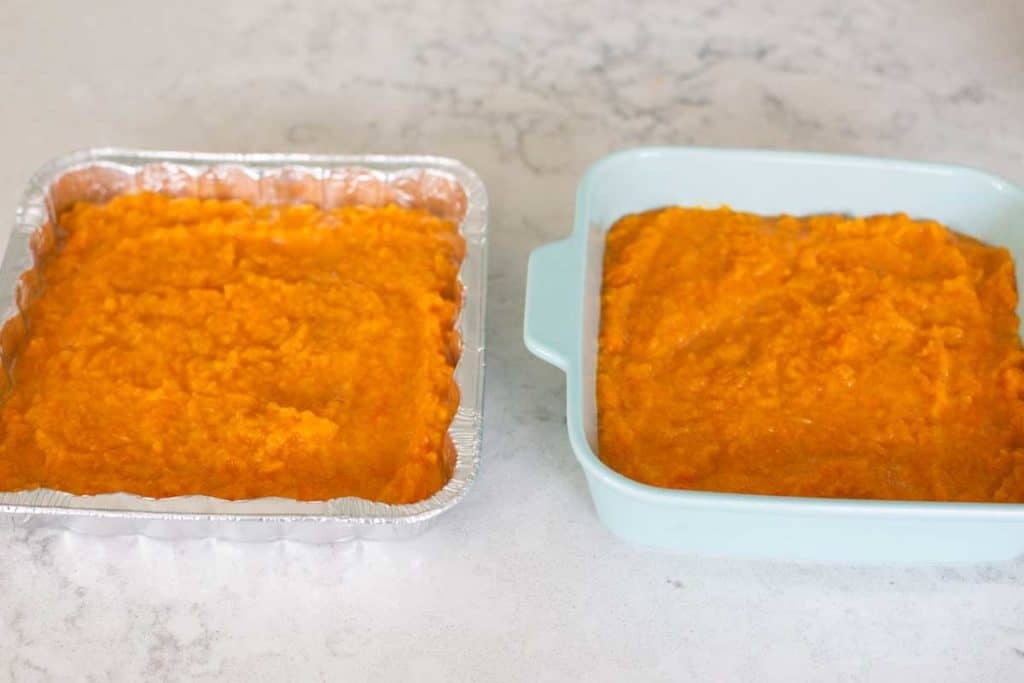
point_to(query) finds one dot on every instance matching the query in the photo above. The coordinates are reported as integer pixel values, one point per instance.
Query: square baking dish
(442, 186)
(562, 318)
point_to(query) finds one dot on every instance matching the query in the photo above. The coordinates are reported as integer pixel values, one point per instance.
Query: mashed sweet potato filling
(185, 346)
(823, 356)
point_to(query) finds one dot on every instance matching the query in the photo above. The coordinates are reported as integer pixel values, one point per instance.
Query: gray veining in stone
(520, 581)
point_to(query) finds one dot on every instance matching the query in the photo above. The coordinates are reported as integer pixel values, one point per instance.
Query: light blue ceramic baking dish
(563, 307)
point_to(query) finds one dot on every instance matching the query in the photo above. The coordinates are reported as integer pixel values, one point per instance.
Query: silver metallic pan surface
(442, 186)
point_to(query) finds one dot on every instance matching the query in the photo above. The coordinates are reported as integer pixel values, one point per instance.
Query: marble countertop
(520, 581)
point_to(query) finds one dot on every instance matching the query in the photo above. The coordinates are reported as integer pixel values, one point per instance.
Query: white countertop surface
(519, 582)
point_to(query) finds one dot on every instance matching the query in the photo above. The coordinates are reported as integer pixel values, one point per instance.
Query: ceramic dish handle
(552, 315)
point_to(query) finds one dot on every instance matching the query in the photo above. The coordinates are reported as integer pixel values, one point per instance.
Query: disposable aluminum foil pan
(442, 186)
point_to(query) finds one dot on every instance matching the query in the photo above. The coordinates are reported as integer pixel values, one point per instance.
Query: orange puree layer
(186, 346)
(823, 356)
